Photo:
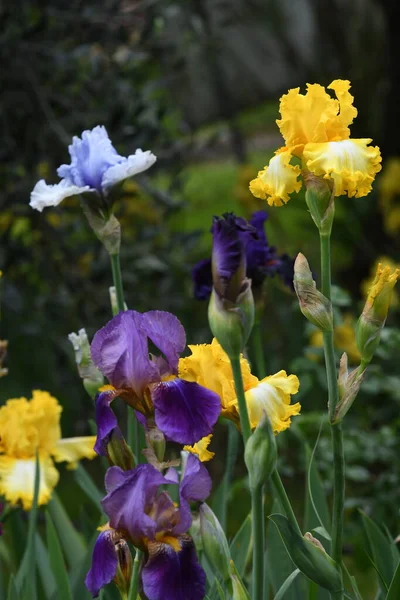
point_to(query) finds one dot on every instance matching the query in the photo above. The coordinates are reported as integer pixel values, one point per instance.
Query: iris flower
(209, 366)
(315, 128)
(138, 512)
(95, 168)
(184, 411)
(262, 260)
(27, 427)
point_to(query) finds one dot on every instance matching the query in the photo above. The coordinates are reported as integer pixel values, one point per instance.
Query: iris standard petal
(195, 486)
(351, 164)
(202, 279)
(44, 195)
(91, 156)
(261, 258)
(106, 420)
(134, 164)
(277, 181)
(167, 333)
(74, 449)
(230, 236)
(185, 411)
(104, 563)
(131, 492)
(17, 479)
(171, 575)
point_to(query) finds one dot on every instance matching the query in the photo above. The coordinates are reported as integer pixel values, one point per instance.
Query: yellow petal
(74, 449)
(316, 116)
(17, 479)
(351, 164)
(200, 448)
(273, 395)
(277, 181)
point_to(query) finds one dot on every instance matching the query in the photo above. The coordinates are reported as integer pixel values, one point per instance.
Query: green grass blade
(12, 593)
(316, 496)
(57, 562)
(44, 568)
(71, 541)
(241, 545)
(87, 484)
(381, 550)
(394, 589)
(286, 584)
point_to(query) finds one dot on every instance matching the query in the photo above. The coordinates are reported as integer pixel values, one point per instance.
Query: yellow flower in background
(315, 128)
(344, 337)
(201, 449)
(389, 195)
(27, 426)
(209, 366)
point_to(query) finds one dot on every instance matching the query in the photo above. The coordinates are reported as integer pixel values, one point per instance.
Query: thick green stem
(117, 278)
(257, 350)
(336, 430)
(231, 454)
(133, 593)
(244, 416)
(258, 540)
(284, 500)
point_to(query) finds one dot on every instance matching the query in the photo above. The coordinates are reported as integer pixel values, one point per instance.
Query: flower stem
(258, 541)
(244, 416)
(231, 454)
(133, 594)
(336, 430)
(284, 500)
(258, 352)
(117, 278)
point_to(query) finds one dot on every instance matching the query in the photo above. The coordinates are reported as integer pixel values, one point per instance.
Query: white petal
(44, 195)
(134, 164)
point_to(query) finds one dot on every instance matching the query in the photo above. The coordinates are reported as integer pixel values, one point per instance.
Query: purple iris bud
(170, 575)
(184, 411)
(104, 563)
(95, 168)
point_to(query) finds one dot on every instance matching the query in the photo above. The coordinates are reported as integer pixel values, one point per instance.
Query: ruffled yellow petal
(273, 395)
(74, 449)
(47, 413)
(351, 164)
(200, 448)
(17, 479)
(277, 181)
(380, 292)
(316, 116)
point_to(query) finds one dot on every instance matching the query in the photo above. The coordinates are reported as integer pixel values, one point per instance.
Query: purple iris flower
(95, 168)
(184, 411)
(262, 259)
(140, 513)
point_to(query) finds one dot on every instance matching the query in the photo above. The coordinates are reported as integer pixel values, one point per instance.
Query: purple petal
(202, 279)
(261, 258)
(170, 575)
(120, 351)
(106, 421)
(185, 411)
(286, 270)
(167, 333)
(132, 492)
(104, 563)
(195, 486)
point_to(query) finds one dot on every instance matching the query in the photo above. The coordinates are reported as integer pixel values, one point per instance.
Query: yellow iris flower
(209, 366)
(315, 128)
(201, 449)
(27, 426)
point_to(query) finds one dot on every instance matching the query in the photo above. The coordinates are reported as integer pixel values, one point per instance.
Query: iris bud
(156, 440)
(124, 569)
(349, 385)
(92, 378)
(118, 451)
(315, 306)
(320, 200)
(239, 592)
(260, 454)
(373, 317)
(214, 541)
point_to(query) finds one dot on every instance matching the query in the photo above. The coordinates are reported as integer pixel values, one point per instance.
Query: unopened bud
(349, 385)
(156, 440)
(124, 569)
(373, 317)
(231, 323)
(239, 592)
(320, 201)
(260, 454)
(214, 541)
(315, 306)
(92, 378)
(118, 451)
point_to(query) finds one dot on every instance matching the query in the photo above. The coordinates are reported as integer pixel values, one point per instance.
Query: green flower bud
(124, 570)
(156, 440)
(119, 453)
(214, 541)
(315, 306)
(239, 592)
(92, 378)
(260, 454)
(320, 200)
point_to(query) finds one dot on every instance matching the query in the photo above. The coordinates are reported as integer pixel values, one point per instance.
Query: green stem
(284, 500)
(135, 576)
(244, 416)
(258, 540)
(231, 455)
(117, 278)
(258, 351)
(336, 430)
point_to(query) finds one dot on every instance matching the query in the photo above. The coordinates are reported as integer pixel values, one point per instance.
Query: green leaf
(381, 550)
(286, 584)
(71, 541)
(44, 567)
(240, 546)
(394, 589)
(219, 590)
(57, 561)
(317, 512)
(78, 574)
(12, 593)
(26, 576)
(353, 584)
(221, 497)
(87, 484)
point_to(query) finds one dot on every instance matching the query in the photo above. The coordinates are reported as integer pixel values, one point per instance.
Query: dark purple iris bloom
(184, 411)
(286, 270)
(262, 259)
(139, 512)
